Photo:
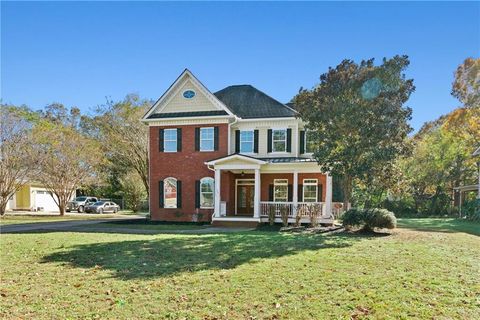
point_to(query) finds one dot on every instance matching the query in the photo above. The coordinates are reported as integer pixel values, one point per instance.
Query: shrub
(314, 212)
(300, 213)
(271, 215)
(284, 215)
(369, 219)
(471, 209)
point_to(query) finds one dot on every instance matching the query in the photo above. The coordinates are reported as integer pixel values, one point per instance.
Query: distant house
(32, 197)
(233, 156)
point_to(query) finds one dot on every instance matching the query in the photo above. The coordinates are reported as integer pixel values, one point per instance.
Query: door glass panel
(242, 197)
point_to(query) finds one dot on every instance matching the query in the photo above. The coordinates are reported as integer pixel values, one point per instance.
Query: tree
(133, 190)
(68, 158)
(357, 118)
(124, 139)
(17, 162)
(441, 159)
(466, 86)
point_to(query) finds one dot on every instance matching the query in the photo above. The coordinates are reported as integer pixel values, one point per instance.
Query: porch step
(236, 221)
(235, 224)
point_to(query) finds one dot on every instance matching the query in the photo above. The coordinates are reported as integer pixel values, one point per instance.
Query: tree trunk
(61, 207)
(347, 191)
(3, 206)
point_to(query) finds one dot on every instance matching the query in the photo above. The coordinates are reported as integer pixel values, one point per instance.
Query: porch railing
(303, 208)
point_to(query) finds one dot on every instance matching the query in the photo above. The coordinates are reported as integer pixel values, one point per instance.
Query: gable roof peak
(160, 103)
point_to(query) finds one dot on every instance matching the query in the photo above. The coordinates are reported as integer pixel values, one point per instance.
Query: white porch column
(328, 195)
(217, 192)
(256, 197)
(295, 192)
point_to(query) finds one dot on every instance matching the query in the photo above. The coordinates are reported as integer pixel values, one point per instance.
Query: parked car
(80, 203)
(102, 207)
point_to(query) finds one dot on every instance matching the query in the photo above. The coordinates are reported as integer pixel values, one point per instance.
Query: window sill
(207, 208)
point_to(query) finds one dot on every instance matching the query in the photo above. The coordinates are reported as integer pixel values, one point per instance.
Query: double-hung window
(206, 193)
(310, 193)
(280, 190)
(170, 140)
(207, 139)
(279, 140)
(246, 141)
(170, 193)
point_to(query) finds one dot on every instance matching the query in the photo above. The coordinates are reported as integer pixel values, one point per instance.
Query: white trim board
(237, 156)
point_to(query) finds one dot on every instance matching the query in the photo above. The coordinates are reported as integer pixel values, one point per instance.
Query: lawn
(17, 219)
(33, 218)
(411, 273)
(441, 225)
(148, 225)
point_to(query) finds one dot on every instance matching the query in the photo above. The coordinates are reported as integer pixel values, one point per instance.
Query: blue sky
(77, 53)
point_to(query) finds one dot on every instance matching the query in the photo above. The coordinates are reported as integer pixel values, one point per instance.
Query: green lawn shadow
(166, 256)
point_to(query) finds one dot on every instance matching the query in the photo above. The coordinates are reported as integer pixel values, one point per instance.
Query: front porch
(250, 190)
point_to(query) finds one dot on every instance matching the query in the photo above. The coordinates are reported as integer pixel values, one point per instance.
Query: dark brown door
(245, 200)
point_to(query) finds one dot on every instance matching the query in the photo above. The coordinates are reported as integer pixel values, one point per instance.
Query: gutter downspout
(230, 133)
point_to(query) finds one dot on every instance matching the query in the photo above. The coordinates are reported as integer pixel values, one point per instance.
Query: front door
(245, 199)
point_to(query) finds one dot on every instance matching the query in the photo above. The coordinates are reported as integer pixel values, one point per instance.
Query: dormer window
(188, 94)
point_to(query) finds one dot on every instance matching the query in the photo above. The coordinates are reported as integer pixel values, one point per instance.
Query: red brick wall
(187, 166)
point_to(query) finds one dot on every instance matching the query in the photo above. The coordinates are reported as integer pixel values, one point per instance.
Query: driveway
(62, 225)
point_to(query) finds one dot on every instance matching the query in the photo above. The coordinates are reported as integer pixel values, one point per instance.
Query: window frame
(283, 140)
(169, 140)
(248, 141)
(194, 94)
(202, 192)
(165, 193)
(280, 183)
(212, 139)
(306, 183)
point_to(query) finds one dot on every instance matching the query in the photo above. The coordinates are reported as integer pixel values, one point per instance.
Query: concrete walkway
(62, 225)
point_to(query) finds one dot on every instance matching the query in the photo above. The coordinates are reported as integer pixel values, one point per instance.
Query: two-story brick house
(230, 157)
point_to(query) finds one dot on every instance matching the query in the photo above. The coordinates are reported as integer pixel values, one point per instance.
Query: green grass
(142, 225)
(440, 225)
(17, 219)
(258, 275)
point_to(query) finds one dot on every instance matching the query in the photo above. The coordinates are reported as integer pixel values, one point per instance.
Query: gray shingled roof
(188, 114)
(248, 102)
